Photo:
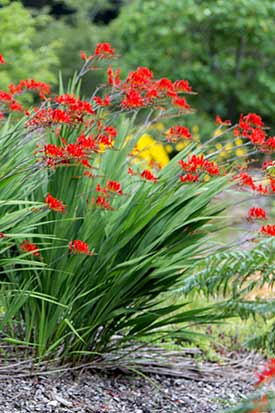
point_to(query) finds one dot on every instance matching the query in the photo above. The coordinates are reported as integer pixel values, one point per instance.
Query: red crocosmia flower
(28, 246)
(267, 374)
(2, 235)
(86, 163)
(262, 189)
(55, 151)
(165, 84)
(195, 163)
(180, 102)
(148, 176)
(178, 132)
(272, 184)
(110, 131)
(189, 178)
(30, 84)
(113, 77)
(139, 78)
(256, 213)
(59, 116)
(270, 143)
(54, 204)
(252, 118)
(5, 96)
(87, 142)
(100, 189)
(219, 121)
(16, 107)
(79, 247)
(268, 230)
(101, 202)
(247, 180)
(83, 55)
(133, 100)
(2, 60)
(102, 102)
(182, 86)
(104, 49)
(130, 171)
(114, 186)
(75, 150)
(105, 140)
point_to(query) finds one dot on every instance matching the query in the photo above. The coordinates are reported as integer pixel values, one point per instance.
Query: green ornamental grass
(93, 240)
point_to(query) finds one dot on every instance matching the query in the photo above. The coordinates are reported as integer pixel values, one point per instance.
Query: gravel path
(91, 392)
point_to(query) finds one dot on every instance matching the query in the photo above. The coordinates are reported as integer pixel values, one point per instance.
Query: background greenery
(225, 49)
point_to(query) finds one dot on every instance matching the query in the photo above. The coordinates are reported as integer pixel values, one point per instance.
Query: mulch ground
(200, 387)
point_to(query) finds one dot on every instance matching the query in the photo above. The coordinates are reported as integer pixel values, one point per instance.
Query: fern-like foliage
(235, 272)
(238, 275)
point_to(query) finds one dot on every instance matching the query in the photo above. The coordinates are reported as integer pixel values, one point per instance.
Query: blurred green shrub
(18, 30)
(223, 47)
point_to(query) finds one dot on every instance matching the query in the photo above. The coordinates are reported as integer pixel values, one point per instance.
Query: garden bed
(201, 387)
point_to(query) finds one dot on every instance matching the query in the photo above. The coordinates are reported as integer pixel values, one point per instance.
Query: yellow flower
(228, 147)
(240, 152)
(181, 145)
(218, 132)
(195, 129)
(219, 146)
(169, 148)
(238, 141)
(206, 178)
(150, 150)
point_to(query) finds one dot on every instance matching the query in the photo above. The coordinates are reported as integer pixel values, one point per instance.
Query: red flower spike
(268, 230)
(54, 204)
(102, 102)
(133, 100)
(83, 55)
(30, 84)
(87, 142)
(252, 118)
(256, 213)
(115, 187)
(267, 374)
(247, 180)
(178, 132)
(104, 50)
(148, 176)
(182, 86)
(27, 246)
(221, 122)
(16, 107)
(110, 131)
(79, 247)
(2, 60)
(54, 151)
(189, 178)
(75, 150)
(113, 77)
(195, 163)
(5, 96)
(101, 202)
(180, 102)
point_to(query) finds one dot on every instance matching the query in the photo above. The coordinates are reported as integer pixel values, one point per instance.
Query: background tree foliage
(225, 48)
(24, 57)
